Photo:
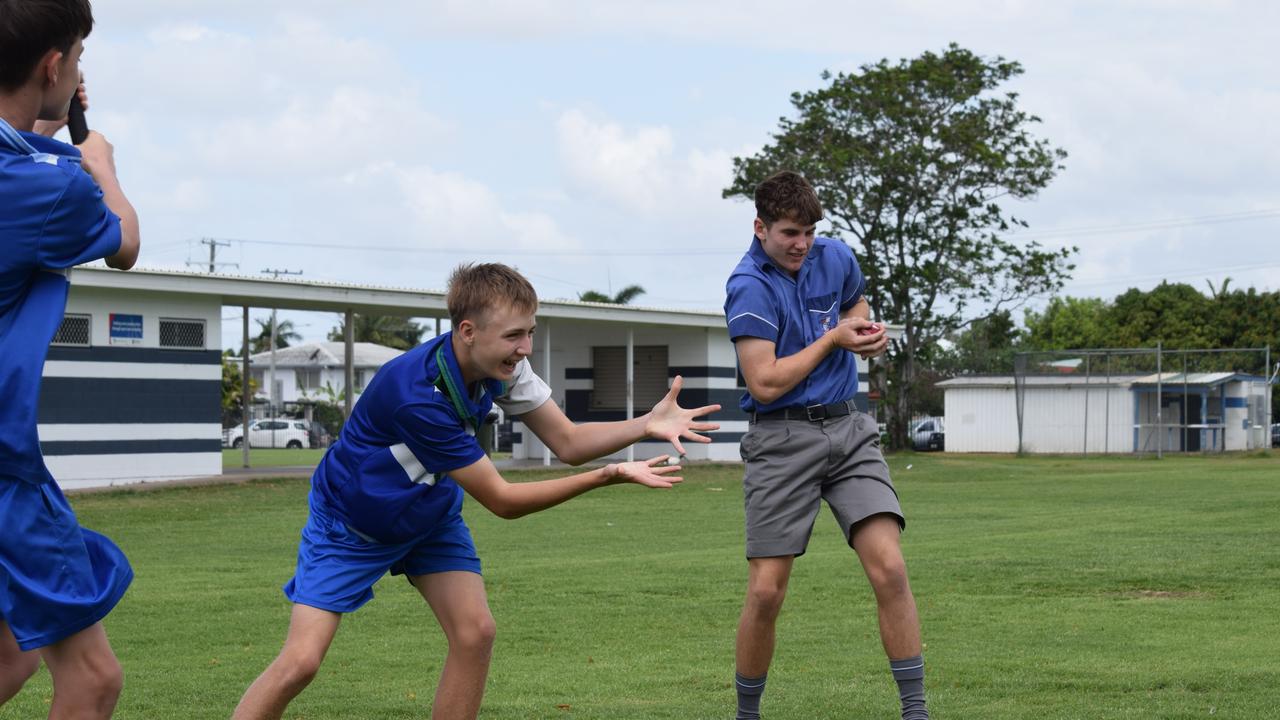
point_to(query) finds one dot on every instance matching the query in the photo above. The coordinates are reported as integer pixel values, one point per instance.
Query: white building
(315, 371)
(1074, 414)
(133, 384)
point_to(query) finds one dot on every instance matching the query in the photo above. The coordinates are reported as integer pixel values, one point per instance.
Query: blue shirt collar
(477, 403)
(39, 147)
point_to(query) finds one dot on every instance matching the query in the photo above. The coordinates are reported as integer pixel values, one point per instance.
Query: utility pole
(271, 368)
(213, 244)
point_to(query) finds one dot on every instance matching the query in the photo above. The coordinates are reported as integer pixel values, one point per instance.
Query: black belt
(812, 413)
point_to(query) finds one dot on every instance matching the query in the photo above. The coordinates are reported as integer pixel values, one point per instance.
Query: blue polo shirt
(387, 475)
(764, 301)
(52, 217)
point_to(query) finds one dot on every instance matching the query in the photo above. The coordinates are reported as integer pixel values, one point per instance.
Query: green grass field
(270, 457)
(1053, 588)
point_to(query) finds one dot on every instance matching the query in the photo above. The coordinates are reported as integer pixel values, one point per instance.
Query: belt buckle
(815, 413)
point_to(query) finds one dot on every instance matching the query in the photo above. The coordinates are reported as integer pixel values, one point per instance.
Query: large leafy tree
(393, 331)
(623, 296)
(914, 162)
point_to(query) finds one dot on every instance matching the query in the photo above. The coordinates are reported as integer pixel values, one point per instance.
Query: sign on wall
(126, 329)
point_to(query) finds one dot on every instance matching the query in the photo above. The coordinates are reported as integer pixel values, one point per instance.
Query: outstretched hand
(668, 421)
(650, 473)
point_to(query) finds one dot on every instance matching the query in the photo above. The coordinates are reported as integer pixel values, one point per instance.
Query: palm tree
(286, 334)
(624, 296)
(393, 331)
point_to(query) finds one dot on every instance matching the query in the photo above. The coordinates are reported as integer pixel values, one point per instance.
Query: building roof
(288, 293)
(1210, 379)
(1055, 380)
(1067, 380)
(326, 355)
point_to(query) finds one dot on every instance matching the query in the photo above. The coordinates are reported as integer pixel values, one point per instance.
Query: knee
(474, 635)
(19, 667)
(889, 578)
(765, 599)
(296, 670)
(104, 678)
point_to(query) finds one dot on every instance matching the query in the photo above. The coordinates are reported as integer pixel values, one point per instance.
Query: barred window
(74, 330)
(187, 334)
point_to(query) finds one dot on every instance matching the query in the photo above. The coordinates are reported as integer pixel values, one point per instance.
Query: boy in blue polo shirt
(797, 315)
(62, 206)
(388, 495)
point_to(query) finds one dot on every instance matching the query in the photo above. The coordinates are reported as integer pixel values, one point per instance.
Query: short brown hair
(31, 28)
(475, 289)
(787, 196)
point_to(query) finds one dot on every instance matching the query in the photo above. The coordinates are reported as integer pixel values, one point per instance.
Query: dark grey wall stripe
(688, 371)
(129, 400)
(703, 371)
(135, 355)
(128, 447)
(577, 405)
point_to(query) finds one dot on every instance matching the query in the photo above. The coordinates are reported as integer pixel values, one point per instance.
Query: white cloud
(640, 169)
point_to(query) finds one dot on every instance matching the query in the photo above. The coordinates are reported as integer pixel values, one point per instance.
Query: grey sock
(909, 673)
(749, 692)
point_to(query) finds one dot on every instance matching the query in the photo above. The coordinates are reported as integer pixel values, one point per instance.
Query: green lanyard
(451, 389)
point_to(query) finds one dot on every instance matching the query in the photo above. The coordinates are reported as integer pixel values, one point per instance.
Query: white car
(928, 434)
(270, 433)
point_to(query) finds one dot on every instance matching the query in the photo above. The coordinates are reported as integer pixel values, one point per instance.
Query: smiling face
(786, 242)
(493, 347)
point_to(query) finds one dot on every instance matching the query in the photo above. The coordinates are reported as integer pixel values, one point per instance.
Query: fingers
(676, 383)
(691, 435)
(675, 443)
(705, 410)
(651, 462)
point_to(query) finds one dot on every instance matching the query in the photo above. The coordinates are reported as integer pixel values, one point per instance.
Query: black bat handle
(76, 123)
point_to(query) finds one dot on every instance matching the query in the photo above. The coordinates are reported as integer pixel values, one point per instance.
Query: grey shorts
(791, 464)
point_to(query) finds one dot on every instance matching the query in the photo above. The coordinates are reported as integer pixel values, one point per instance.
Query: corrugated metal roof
(1056, 380)
(328, 354)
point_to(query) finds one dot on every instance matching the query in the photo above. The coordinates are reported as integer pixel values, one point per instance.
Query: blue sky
(587, 142)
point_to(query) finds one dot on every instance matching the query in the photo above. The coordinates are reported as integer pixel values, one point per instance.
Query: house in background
(315, 371)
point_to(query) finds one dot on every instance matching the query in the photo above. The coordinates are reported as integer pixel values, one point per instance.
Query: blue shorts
(56, 578)
(338, 567)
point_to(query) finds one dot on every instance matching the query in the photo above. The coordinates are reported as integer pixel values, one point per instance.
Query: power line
(1153, 224)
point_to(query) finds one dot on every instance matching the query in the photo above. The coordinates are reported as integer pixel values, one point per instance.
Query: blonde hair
(475, 289)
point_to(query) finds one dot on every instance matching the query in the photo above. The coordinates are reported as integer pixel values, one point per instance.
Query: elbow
(572, 459)
(127, 256)
(764, 395)
(505, 510)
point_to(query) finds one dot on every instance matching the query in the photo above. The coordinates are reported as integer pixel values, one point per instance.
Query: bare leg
(461, 606)
(16, 666)
(86, 676)
(876, 541)
(766, 588)
(311, 631)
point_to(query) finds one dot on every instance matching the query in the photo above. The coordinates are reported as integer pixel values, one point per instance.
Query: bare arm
(769, 377)
(578, 443)
(512, 500)
(98, 159)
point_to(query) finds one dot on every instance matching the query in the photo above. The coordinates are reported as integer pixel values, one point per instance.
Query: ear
(760, 229)
(466, 330)
(50, 66)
